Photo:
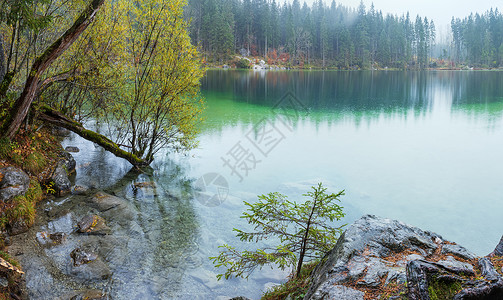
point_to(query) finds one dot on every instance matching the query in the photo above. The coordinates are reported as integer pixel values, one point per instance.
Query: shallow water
(422, 147)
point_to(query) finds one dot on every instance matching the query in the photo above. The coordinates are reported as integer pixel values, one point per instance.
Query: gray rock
(396, 275)
(65, 167)
(97, 270)
(376, 270)
(93, 225)
(51, 239)
(499, 248)
(453, 264)
(90, 295)
(368, 237)
(483, 290)
(62, 183)
(408, 258)
(72, 149)
(458, 250)
(418, 272)
(67, 161)
(487, 269)
(13, 182)
(18, 227)
(81, 257)
(104, 202)
(60, 131)
(4, 282)
(356, 266)
(80, 190)
(336, 292)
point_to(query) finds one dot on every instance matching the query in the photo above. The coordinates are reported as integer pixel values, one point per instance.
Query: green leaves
(304, 230)
(25, 14)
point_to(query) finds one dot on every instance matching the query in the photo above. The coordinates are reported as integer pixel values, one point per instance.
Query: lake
(422, 147)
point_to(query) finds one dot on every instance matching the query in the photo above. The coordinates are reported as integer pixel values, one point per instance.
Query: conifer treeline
(478, 39)
(325, 35)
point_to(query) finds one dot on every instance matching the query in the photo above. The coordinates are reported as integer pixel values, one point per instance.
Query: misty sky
(440, 10)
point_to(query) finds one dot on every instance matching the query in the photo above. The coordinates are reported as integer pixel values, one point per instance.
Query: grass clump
(295, 287)
(442, 289)
(22, 207)
(35, 163)
(9, 259)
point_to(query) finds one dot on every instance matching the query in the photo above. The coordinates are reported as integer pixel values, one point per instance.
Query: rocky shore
(380, 258)
(89, 236)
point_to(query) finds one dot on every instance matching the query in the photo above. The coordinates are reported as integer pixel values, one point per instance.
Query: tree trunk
(304, 239)
(23, 103)
(56, 118)
(2, 59)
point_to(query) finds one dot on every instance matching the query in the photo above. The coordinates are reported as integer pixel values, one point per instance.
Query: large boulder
(376, 255)
(13, 182)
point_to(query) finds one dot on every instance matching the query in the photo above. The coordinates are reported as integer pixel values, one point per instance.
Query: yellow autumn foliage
(135, 68)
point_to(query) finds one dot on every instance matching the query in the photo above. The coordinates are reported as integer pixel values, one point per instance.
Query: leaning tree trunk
(2, 59)
(56, 118)
(23, 103)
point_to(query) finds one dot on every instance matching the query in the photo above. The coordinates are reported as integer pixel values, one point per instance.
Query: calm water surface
(422, 147)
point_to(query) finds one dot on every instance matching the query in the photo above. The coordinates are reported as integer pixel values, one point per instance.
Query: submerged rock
(13, 182)
(93, 224)
(90, 295)
(51, 239)
(72, 149)
(104, 202)
(81, 257)
(80, 190)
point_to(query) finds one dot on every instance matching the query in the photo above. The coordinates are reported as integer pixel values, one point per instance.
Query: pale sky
(441, 11)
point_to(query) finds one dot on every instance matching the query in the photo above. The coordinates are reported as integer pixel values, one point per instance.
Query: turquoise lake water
(422, 147)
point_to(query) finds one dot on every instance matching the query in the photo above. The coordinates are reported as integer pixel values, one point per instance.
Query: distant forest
(478, 39)
(328, 36)
(336, 36)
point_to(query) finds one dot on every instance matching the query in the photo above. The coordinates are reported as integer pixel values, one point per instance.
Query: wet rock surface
(51, 239)
(86, 295)
(102, 242)
(80, 190)
(60, 177)
(93, 224)
(81, 257)
(13, 182)
(380, 258)
(72, 149)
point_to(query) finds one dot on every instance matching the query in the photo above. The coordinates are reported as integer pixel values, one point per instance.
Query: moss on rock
(442, 289)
